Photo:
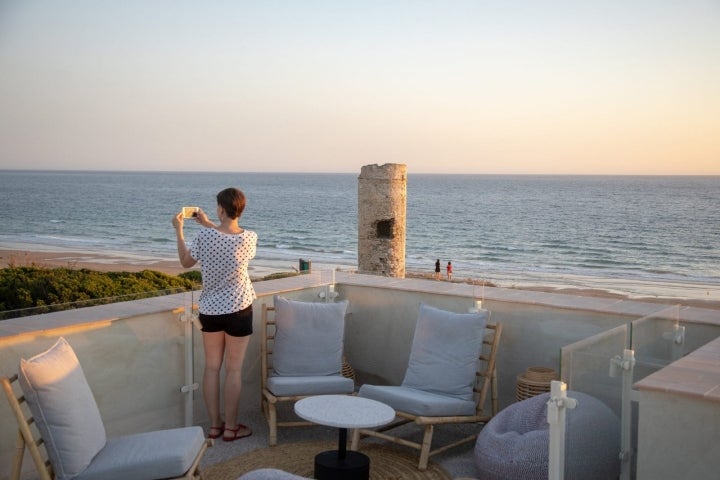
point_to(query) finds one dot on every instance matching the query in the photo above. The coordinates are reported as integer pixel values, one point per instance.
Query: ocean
(637, 235)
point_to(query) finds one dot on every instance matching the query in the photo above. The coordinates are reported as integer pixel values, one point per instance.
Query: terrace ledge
(110, 312)
(696, 375)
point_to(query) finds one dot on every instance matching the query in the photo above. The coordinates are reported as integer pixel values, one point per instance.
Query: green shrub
(30, 287)
(275, 276)
(192, 275)
(34, 290)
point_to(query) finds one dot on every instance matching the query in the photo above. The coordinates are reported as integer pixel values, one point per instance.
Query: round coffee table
(343, 412)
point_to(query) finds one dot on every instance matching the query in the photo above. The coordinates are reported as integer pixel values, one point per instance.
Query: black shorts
(237, 324)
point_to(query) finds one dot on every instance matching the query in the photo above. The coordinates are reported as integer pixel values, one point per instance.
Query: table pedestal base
(329, 466)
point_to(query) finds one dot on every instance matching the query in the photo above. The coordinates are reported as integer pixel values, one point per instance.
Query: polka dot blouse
(224, 260)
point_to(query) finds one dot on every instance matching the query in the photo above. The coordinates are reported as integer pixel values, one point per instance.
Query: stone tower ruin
(382, 199)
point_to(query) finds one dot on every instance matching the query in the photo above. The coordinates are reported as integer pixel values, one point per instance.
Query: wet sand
(135, 263)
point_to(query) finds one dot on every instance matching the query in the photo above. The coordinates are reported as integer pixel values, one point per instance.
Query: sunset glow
(559, 87)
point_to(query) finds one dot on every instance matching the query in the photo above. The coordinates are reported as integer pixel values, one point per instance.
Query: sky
(491, 87)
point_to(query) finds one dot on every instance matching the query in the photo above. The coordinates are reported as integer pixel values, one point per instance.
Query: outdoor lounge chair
(301, 354)
(57, 410)
(451, 370)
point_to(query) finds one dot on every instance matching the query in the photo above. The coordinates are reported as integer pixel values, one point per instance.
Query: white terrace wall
(133, 352)
(679, 420)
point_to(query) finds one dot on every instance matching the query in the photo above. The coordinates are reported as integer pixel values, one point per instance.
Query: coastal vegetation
(35, 289)
(30, 290)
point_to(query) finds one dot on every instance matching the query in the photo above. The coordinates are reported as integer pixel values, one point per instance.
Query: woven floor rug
(386, 462)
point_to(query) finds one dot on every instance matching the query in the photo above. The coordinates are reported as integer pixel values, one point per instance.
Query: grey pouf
(514, 444)
(270, 474)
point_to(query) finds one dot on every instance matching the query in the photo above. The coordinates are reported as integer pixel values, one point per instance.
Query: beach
(52, 257)
(109, 262)
(80, 260)
(121, 262)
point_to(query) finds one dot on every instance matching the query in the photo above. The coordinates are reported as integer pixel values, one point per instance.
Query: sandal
(241, 431)
(219, 430)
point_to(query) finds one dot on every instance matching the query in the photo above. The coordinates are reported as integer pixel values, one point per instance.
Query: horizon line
(291, 172)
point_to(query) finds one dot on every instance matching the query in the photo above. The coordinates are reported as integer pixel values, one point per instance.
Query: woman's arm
(186, 260)
(204, 220)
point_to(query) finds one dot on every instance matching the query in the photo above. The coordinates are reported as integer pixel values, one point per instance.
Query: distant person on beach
(437, 269)
(225, 305)
(449, 270)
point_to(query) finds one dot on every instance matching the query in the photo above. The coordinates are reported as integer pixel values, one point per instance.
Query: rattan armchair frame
(486, 384)
(29, 439)
(269, 400)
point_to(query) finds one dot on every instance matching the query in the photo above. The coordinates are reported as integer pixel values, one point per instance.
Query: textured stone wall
(382, 199)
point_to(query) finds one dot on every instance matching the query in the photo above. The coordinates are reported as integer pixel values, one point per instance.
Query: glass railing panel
(585, 365)
(658, 340)
(608, 364)
(92, 302)
(590, 367)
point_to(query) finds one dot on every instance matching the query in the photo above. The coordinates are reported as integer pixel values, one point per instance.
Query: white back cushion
(308, 338)
(445, 351)
(67, 416)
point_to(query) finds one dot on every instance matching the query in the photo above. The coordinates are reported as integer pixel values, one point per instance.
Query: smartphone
(190, 212)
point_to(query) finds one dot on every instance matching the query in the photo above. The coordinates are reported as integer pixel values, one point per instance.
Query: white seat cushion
(314, 385)
(309, 337)
(418, 402)
(146, 456)
(65, 411)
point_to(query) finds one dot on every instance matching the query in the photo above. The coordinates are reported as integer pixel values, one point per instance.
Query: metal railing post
(558, 403)
(188, 317)
(625, 364)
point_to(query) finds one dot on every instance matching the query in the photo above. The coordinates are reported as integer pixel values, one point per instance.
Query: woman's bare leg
(214, 345)
(235, 349)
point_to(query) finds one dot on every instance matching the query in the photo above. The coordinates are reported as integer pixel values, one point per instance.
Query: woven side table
(347, 370)
(534, 381)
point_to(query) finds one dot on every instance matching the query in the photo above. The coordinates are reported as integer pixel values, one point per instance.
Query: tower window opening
(385, 228)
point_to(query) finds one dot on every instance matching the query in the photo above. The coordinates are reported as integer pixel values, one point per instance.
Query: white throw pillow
(445, 351)
(65, 411)
(308, 338)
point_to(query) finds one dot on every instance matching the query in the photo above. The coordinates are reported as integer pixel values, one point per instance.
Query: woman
(225, 305)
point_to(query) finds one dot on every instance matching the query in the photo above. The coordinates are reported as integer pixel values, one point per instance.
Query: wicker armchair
(451, 371)
(59, 424)
(301, 354)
